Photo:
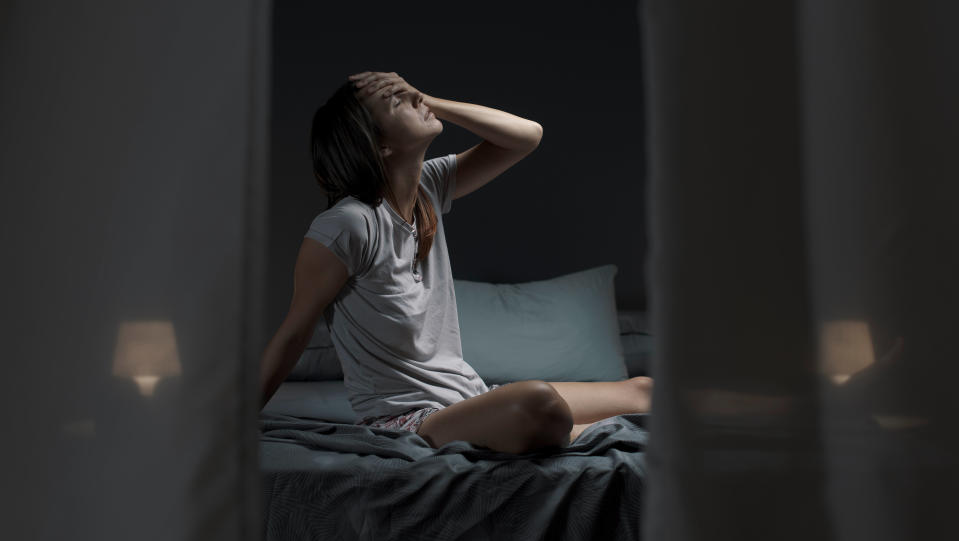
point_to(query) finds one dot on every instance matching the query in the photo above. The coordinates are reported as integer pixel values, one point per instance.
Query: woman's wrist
(433, 104)
(498, 127)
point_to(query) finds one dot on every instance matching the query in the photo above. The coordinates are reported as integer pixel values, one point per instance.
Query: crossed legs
(515, 418)
(527, 415)
(592, 401)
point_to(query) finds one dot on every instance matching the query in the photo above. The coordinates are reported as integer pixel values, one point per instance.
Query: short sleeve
(346, 231)
(441, 173)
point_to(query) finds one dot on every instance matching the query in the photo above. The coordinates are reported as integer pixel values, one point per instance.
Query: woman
(375, 265)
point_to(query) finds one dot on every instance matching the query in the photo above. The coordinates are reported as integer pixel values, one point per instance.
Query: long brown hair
(345, 142)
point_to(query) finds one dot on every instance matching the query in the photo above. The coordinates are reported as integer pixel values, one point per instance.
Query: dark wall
(574, 203)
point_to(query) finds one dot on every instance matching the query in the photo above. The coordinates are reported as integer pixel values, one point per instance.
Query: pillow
(318, 362)
(327, 400)
(561, 329)
(637, 341)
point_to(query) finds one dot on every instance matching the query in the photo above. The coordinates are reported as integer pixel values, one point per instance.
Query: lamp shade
(845, 347)
(146, 351)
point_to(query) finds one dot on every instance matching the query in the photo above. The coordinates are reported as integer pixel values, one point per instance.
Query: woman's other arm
(317, 280)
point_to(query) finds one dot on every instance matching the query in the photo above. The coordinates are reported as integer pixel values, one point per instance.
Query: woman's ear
(385, 151)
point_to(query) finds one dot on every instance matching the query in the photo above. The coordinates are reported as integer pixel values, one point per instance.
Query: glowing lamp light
(845, 347)
(146, 351)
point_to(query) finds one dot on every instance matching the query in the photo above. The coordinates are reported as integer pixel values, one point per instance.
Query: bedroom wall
(132, 164)
(576, 202)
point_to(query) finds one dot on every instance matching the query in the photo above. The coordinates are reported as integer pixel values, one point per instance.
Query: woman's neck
(404, 178)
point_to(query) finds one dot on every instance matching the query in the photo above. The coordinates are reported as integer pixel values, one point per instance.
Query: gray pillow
(562, 329)
(637, 341)
(327, 400)
(318, 361)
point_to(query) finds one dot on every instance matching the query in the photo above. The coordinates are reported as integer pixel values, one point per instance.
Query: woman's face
(406, 125)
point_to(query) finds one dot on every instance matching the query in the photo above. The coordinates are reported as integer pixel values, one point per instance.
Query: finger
(392, 90)
(369, 84)
(372, 87)
(383, 93)
(378, 85)
(366, 78)
(399, 88)
(360, 82)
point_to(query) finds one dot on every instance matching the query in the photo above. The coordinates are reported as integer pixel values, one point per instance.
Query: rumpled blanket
(326, 480)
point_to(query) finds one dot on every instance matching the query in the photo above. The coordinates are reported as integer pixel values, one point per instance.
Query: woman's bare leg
(578, 429)
(515, 418)
(592, 401)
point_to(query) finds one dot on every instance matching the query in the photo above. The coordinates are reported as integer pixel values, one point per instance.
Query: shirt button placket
(416, 253)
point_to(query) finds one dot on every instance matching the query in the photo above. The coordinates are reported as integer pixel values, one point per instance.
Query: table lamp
(146, 351)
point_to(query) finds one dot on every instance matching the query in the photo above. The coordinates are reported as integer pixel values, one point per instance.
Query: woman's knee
(550, 413)
(529, 415)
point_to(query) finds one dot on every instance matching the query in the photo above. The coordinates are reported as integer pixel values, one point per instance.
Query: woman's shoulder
(351, 208)
(437, 179)
(348, 214)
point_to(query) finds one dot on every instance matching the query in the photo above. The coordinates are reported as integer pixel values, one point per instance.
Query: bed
(324, 477)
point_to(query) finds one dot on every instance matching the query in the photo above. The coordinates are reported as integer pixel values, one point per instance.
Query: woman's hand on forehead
(369, 82)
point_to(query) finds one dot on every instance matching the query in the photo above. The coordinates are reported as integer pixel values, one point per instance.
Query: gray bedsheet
(326, 480)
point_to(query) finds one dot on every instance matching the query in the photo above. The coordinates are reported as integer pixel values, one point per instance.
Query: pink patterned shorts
(408, 420)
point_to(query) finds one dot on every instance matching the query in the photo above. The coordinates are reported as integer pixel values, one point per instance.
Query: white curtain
(802, 188)
(133, 175)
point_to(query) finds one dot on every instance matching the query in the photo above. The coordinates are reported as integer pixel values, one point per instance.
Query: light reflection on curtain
(802, 196)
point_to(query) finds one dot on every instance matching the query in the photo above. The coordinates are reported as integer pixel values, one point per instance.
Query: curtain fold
(133, 164)
(803, 244)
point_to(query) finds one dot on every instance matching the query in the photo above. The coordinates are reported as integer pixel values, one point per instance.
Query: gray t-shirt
(394, 324)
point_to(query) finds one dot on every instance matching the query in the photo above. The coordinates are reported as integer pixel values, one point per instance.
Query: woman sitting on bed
(376, 267)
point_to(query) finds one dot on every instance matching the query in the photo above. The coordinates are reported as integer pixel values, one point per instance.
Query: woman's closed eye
(398, 98)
